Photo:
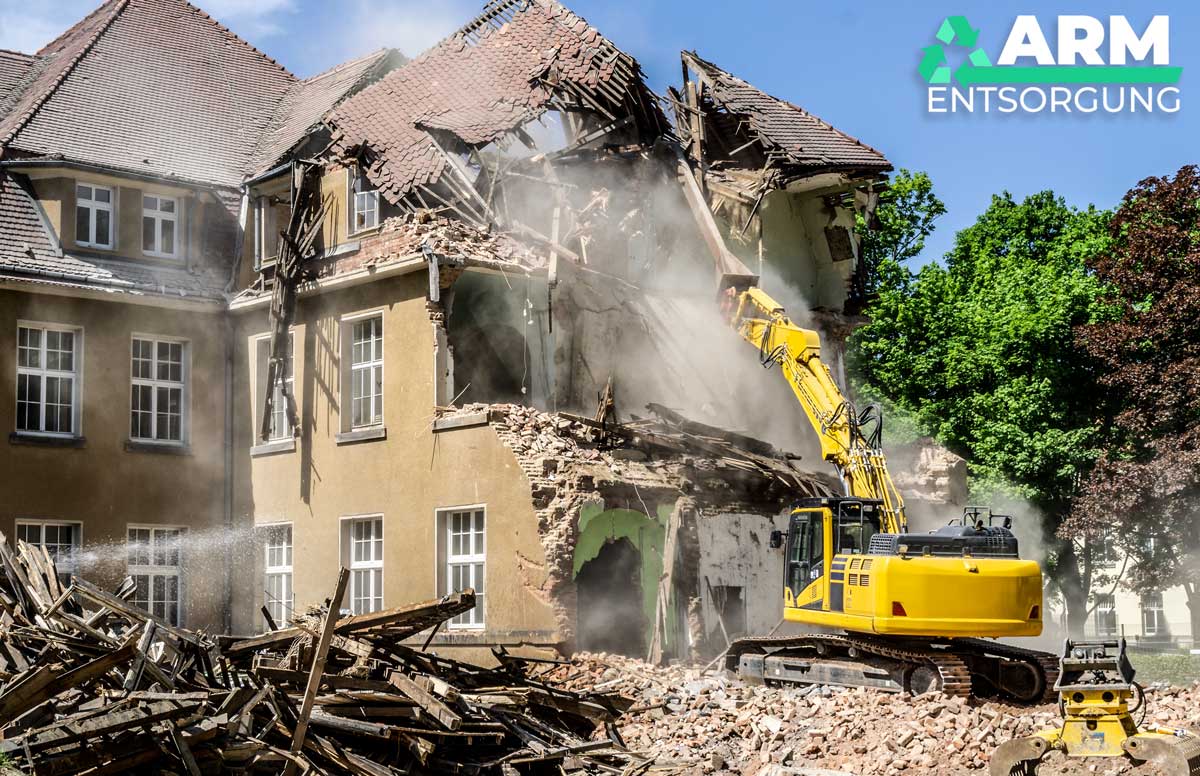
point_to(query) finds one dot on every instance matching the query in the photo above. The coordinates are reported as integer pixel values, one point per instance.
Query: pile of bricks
(717, 724)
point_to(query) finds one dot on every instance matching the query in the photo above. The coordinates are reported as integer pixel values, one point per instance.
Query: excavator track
(958, 667)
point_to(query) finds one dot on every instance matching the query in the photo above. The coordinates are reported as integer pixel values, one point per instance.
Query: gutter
(77, 289)
(43, 163)
(274, 172)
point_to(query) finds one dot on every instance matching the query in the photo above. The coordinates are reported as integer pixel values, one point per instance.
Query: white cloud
(409, 25)
(249, 17)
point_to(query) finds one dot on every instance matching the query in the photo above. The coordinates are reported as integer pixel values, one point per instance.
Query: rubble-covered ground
(713, 723)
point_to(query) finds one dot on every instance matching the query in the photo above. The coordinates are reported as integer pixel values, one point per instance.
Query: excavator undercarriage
(958, 667)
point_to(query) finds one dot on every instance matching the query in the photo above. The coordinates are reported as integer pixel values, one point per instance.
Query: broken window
(362, 551)
(155, 564)
(365, 211)
(366, 372)
(277, 581)
(60, 539)
(93, 216)
(159, 220)
(281, 425)
(158, 382)
(47, 384)
(464, 534)
(1106, 616)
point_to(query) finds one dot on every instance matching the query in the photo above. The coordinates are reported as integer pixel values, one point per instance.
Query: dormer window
(93, 216)
(366, 206)
(159, 219)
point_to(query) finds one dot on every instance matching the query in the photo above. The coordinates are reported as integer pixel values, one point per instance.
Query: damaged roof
(307, 102)
(490, 77)
(14, 66)
(156, 87)
(28, 253)
(789, 134)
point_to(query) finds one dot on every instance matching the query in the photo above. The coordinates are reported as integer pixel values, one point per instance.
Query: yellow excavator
(890, 609)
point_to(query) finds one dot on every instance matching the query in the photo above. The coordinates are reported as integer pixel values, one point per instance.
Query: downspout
(228, 478)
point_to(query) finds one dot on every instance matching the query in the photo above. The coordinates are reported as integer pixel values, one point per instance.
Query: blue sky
(853, 64)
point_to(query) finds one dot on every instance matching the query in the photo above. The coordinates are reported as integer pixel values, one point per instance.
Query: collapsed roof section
(741, 126)
(505, 68)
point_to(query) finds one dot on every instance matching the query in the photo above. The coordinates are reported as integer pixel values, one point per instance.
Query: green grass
(1177, 669)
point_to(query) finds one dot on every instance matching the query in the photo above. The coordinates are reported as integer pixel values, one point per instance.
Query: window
(281, 427)
(1106, 616)
(47, 380)
(61, 541)
(366, 205)
(465, 560)
(157, 400)
(277, 588)
(366, 372)
(160, 215)
(93, 216)
(1104, 551)
(1154, 621)
(362, 542)
(154, 557)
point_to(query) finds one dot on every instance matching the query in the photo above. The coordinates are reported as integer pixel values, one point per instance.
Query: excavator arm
(850, 440)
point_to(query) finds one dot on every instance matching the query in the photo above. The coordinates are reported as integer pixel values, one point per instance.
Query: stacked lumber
(90, 683)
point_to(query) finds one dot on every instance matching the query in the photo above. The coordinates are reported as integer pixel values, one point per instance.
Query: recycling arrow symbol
(954, 31)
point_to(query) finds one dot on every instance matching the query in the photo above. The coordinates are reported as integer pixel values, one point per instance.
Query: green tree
(981, 353)
(1145, 490)
(903, 218)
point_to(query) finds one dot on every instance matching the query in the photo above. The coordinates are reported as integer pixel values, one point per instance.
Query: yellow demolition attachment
(1096, 685)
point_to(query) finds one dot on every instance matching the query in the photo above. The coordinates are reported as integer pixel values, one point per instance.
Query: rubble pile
(93, 684)
(717, 724)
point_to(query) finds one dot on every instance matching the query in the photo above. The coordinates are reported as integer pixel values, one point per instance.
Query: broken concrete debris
(94, 684)
(712, 723)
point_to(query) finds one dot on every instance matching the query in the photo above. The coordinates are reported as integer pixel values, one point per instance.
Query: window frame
(41, 524)
(355, 183)
(76, 375)
(347, 323)
(260, 376)
(159, 216)
(474, 619)
(154, 383)
(95, 205)
(152, 569)
(1102, 612)
(347, 554)
(1147, 606)
(282, 614)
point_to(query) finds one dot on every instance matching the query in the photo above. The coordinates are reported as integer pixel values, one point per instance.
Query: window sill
(361, 435)
(45, 440)
(461, 421)
(161, 448)
(344, 248)
(274, 447)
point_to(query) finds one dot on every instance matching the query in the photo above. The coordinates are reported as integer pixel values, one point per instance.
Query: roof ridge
(77, 25)
(239, 39)
(120, 6)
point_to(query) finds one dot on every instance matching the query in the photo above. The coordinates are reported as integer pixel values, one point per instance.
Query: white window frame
(159, 217)
(363, 568)
(154, 383)
(1106, 606)
(43, 372)
(362, 200)
(92, 205)
(281, 566)
(152, 569)
(476, 562)
(349, 322)
(279, 408)
(1152, 604)
(65, 566)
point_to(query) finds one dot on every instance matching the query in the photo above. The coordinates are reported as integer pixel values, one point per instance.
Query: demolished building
(456, 326)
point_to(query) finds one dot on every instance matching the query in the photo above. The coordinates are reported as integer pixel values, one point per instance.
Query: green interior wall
(598, 525)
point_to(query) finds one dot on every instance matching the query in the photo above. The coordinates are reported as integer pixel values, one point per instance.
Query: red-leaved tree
(1144, 492)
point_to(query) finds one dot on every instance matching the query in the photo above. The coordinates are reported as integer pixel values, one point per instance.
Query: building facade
(505, 228)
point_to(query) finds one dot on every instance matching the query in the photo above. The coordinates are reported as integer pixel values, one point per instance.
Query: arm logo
(1094, 67)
